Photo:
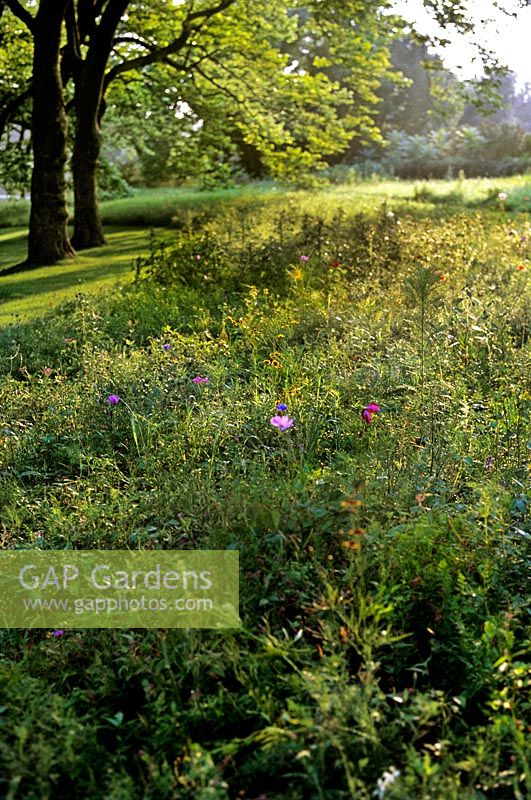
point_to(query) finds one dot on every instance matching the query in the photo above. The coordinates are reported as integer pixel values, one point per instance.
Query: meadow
(383, 535)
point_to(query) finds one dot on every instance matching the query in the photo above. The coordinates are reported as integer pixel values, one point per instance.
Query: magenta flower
(199, 379)
(282, 423)
(368, 411)
(113, 399)
(305, 258)
(58, 633)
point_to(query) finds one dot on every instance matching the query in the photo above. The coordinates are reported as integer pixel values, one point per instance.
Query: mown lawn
(384, 588)
(33, 293)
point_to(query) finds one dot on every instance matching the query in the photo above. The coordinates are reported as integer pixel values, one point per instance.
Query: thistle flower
(282, 423)
(199, 379)
(113, 399)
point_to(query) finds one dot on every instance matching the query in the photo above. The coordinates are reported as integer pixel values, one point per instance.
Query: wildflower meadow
(343, 397)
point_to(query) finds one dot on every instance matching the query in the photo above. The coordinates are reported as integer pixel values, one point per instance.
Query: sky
(509, 38)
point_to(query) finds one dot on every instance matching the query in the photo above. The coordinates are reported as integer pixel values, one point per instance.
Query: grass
(33, 293)
(164, 207)
(384, 566)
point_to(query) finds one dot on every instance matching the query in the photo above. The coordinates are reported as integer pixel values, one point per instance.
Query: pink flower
(47, 371)
(305, 258)
(282, 423)
(502, 196)
(368, 411)
(113, 399)
(199, 379)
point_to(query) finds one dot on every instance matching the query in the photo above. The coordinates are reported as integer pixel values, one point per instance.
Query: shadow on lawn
(89, 268)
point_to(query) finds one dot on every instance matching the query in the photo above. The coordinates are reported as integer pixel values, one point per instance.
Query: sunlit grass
(34, 292)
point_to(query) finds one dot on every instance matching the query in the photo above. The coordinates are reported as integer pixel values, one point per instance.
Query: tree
(48, 238)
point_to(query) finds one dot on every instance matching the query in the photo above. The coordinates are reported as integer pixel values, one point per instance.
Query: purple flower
(199, 379)
(368, 411)
(166, 346)
(282, 423)
(305, 258)
(113, 399)
(282, 407)
(58, 633)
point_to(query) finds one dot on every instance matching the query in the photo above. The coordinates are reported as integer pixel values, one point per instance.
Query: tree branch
(11, 106)
(161, 53)
(22, 13)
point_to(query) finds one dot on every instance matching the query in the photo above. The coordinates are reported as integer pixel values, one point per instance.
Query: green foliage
(489, 150)
(384, 567)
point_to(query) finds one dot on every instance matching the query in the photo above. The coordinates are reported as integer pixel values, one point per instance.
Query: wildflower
(47, 371)
(282, 407)
(113, 399)
(368, 411)
(390, 215)
(297, 274)
(335, 264)
(273, 360)
(502, 196)
(304, 259)
(282, 423)
(166, 346)
(489, 463)
(199, 379)
(351, 503)
(58, 633)
(197, 257)
(521, 267)
(387, 779)
(440, 274)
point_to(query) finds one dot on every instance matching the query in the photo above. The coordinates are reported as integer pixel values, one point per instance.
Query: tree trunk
(88, 230)
(89, 104)
(48, 240)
